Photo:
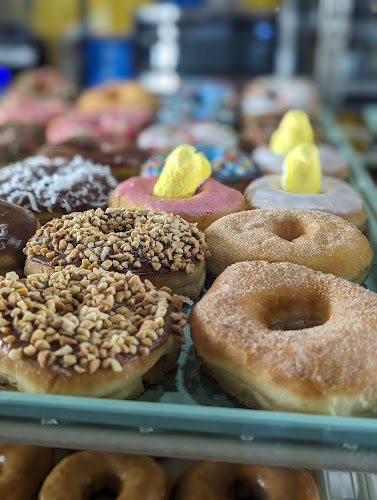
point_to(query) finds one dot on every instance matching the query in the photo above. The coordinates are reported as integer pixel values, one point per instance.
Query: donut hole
(112, 95)
(105, 488)
(289, 229)
(245, 490)
(297, 313)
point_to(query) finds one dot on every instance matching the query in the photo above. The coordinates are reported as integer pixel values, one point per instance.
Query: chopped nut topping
(85, 320)
(119, 240)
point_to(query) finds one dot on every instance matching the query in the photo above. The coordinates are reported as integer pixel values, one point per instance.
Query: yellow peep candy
(293, 129)
(182, 173)
(302, 170)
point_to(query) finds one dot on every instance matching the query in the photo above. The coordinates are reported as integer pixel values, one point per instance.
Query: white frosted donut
(332, 162)
(336, 197)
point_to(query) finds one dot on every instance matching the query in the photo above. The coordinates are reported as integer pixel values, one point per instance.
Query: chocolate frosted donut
(124, 160)
(51, 188)
(17, 225)
(160, 247)
(84, 332)
(19, 140)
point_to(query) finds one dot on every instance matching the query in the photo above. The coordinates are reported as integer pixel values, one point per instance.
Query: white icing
(332, 162)
(43, 184)
(336, 196)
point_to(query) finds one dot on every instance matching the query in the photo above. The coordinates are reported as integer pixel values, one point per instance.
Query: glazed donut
(17, 141)
(124, 160)
(43, 83)
(51, 188)
(226, 481)
(17, 226)
(287, 338)
(211, 201)
(83, 474)
(28, 110)
(231, 167)
(17, 461)
(120, 95)
(336, 197)
(160, 247)
(164, 136)
(321, 241)
(83, 332)
(121, 125)
(332, 162)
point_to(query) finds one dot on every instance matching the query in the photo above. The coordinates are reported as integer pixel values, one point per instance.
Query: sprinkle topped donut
(54, 187)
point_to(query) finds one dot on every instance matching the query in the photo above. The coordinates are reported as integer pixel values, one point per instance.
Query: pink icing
(212, 199)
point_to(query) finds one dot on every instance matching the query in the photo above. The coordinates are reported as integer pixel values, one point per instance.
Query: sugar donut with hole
(81, 475)
(283, 337)
(227, 481)
(83, 332)
(336, 197)
(319, 240)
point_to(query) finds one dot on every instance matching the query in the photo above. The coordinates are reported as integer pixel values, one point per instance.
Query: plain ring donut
(17, 482)
(319, 240)
(284, 337)
(226, 481)
(81, 475)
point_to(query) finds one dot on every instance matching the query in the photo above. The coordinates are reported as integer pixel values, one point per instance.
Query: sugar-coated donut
(124, 160)
(227, 481)
(23, 468)
(126, 477)
(119, 95)
(287, 338)
(332, 162)
(211, 201)
(84, 332)
(336, 197)
(321, 241)
(53, 187)
(160, 247)
(17, 226)
(166, 136)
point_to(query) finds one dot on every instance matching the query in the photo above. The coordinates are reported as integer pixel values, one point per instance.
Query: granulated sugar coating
(293, 338)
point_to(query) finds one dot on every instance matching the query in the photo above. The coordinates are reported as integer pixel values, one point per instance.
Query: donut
(275, 94)
(84, 474)
(283, 337)
(321, 241)
(51, 188)
(164, 136)
(30, 110)
(17, 461)
(230, 167)
(17, 141)
(160, 247)
(124, 160)
(17, 226)
(42, 83)
(211, 201)
(83, 332)
(114, 124)
(120, 95)
(228, 481)
(332, 162)
(336, 197)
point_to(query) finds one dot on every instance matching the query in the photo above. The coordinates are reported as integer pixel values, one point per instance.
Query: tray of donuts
(112, 272)
(60, 474)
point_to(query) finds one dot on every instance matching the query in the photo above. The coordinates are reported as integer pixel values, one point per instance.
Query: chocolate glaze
(19, 140)
(17, 226)
(113, 154)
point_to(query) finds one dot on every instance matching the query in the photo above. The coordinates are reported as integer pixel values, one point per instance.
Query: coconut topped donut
(85, 332)
(52, 187)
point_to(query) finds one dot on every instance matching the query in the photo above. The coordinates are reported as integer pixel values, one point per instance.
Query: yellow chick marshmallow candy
(302, 170)
(184, 170)
(294, 128)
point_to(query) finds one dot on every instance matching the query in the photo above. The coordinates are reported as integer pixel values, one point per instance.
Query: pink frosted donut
(31, 110)
(109, 124)
(211, 201)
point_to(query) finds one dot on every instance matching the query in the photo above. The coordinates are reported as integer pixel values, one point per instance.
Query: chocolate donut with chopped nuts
(84, 332)
(160, 247)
